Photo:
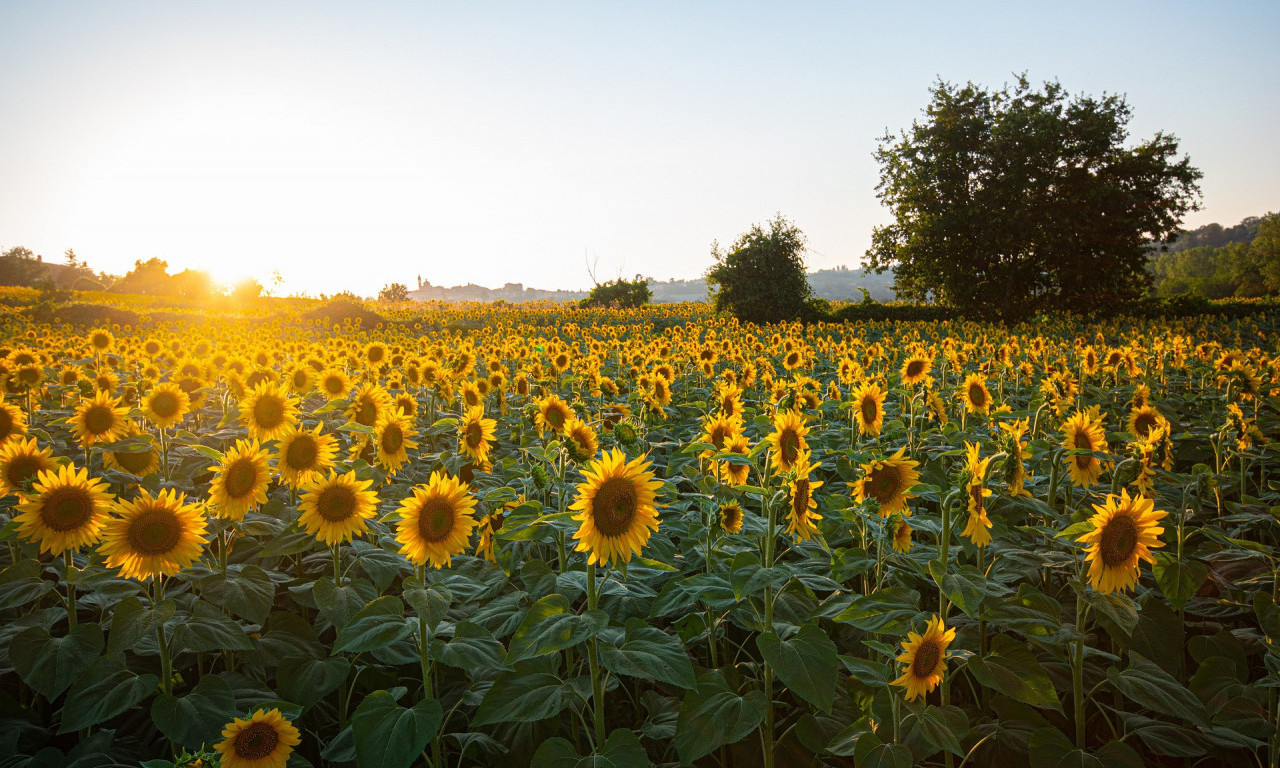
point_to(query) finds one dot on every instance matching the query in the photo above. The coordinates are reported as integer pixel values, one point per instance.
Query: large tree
(762, 278)
(1013, 200)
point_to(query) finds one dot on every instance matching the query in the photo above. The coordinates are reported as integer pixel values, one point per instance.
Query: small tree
(619, 293)
(19, 266)
(246, 290)
(393, 292)
(762, 279)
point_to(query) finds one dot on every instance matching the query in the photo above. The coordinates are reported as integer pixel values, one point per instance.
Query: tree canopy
(619, 293)
(762, 278)
(1009, 201)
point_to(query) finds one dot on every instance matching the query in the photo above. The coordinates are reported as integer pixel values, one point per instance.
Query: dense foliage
(1248, 265)
(761, 279)
(871, 543)
(619, 294)
(1019, 199)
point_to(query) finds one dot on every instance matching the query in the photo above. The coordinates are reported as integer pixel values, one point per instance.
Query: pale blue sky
(353, 144)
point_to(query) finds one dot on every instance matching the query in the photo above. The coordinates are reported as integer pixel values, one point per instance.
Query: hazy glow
(347, 146)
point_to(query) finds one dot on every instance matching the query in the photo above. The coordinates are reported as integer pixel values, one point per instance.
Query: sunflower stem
(337, 565)
(768, 627)
(166, 663)
(1077, 674)
(67, 576)
(428, 685)
(597, 686)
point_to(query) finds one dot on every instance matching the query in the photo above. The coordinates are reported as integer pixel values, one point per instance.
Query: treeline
(1217, 262)
(19, 266)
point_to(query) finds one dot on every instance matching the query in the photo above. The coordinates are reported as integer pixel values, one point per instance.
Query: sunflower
(154, 535)
(787, 441)
(334, 384)
(1144, 418)
(470, 395)
(394, 438)
(65, 509)
(915, 369)
(976, 530)
(436, 521)
(13, 422)
(716, 431)
(888, 482)
(729, 397)
(268, 411)
(101, 340)
(99, 419)
(583, 442)
(301, 455)
(1125, 530)
(368, 404)
(475, 434)
(925, 657)
(975, 395)
(21, 461)
(615, 508)
(241, 481)
(165, 405)
(800, 518)
(900, 530)
(868, 408)
(334, 508)
(1013, 468)
(136, 463)
(731, 517)
(552, 413)
(263, 740)
(731, 472)
(1083, 433)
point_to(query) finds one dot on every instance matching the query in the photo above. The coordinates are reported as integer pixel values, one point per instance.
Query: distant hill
(838, 284)
(1216, 236)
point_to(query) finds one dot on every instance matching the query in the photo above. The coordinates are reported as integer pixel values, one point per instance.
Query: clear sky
(352, 144)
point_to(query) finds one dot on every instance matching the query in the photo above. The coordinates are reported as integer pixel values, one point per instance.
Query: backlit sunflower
(241, 481)
(368, 404)
(165, 405)
(731, 517)
(888, 482)
(926, 659)
(731, 472)
(335, 509)
(13, 422)
(21, 460)
(99, 419)
(615, 508)
(900, 530)
(1015, 451)
(915, 369)
(975, 395)
(581, 439)
(154, 535)
(868, 408)
(302, 455)
(1144, 418)
(65, 510)
(263, 740)
(787, 441)
(800, 517)
(716, 430)
(470, 395)
(552, 413)
(393, 437)
(976, 530)
(476, 434)
(1083, 433)
(436, 521)
(136, 463)
(1125, 530)
(268, 411)
(334, 384)
(729, 398)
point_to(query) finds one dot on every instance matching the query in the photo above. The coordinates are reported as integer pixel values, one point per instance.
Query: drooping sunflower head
(925, 657)
(787, 441)
(583, 444)
(301, 455)
(21, 461)
(263, 740)
(336, 508)
(165, 405)
(64, 511)
(888, 482)
(476, 434)
(1125, 530)
(154, 535)
(616, 507)
(268, 411)
(99, 419)
(241, 481)
(900, 530)
(436, 521)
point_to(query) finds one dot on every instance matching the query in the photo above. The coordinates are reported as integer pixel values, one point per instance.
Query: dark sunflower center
(731, 516)
(366, 412)
(337, 503)
(99, 419)
(975, 495)
(164, 404)
(915, 368)
(302, 453)
(268, 412)
(6, 423)
(718, 435)
(241, 478)
(614, 506)
(333, 385)
(436, 520)
(1143, 424)
(101, 342)
(1119, 539)
(977, 395)
(299, 379)
(555, 417)
(472, 398)
(392, 439)
(66, 509)
(256, 742)
(801, 504)
(869, 410)
(154, 532)
(1082, 442)
(928, 654)
(133, 463)
(884, 483)
(789, 446)
(376, 354)
(20, 470)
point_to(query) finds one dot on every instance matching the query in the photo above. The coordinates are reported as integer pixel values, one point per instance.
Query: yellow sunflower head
(336, 508)
(900, 529)
(583, 444)
(1125, 530)
(868, 408)
(800, 514)
(1081, 432)
(13, 422)
(241, 481)
(64, 511)
(393, 437)
(436, 521)
(975, 395)
(165, 405)
(476, 434)
(731, 517)
(99, 419)
(334, 384)
(21, 461)
(888, 482)
(263, 740)
(302, 455)
(154, 535)
(368, 404)
(552, 414)
(787, 441)
(925, 657)
(268, 411)
(915, 369)
(616, 508)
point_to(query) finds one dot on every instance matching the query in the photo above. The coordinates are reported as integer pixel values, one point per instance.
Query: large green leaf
(939, 727)
(51, 664)
(377, 625)
(305, 681)
(550, 626)
(713, 715)
(105, 690)
(430, 602)
(646, 652)
(806, 662)
(1013, 670)
(197, 718)
(523, 698)
(1048, 748)
(1179, 581)
(1116, 611)
(340, 604)
(472, 647)
(248, 593)
(388, 735)
(889, 610)
(131, 621)
(621, 750)
(1149, 686)
(209, 629)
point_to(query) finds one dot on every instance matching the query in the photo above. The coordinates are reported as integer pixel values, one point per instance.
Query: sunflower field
(551, 536)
